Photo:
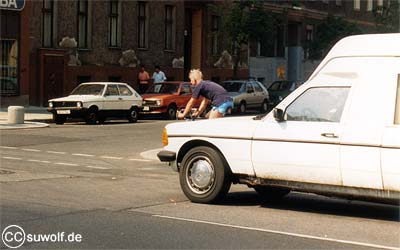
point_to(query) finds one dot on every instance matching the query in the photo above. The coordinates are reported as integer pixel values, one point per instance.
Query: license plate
(64, 112)
(146, 108)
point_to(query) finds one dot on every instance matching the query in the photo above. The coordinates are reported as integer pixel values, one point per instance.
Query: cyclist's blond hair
(195, 74)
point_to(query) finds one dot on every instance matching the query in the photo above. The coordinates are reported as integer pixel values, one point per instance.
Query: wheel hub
(201, 176)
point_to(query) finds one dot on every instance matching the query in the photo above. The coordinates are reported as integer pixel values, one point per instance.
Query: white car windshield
(88, 89)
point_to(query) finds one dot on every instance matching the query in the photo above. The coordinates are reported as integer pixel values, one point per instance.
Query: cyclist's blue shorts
(223, 107)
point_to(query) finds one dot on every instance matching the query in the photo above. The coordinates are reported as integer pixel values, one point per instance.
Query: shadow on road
(317, 204)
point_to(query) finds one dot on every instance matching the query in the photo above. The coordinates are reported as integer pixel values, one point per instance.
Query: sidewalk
(35, 117)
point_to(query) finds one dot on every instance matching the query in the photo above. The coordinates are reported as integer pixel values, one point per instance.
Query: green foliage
(247, 20)
(327, 33)
(387, 18)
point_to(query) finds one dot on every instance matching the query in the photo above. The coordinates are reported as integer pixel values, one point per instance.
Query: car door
(251, 98)
(126, 96)
(305, 146)
(111, 98)
(258, 93)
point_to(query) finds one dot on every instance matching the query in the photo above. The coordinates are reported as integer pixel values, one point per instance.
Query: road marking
(279, 232)
(85, 155)
(31, 149)
(11, 158)
(56, 152)
(8, 147)
(39, 161)
(144, 160)
(95, 167)
(151, 154)
(111, 157)
(66, 164)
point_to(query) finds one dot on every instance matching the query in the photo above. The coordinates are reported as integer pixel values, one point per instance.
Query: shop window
(84, 21)
(115, 24)
(48, 27)
(9, 63)
(169, 27)
(142, 25)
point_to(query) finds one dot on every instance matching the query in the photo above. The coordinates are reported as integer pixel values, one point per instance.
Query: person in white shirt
(158, 75)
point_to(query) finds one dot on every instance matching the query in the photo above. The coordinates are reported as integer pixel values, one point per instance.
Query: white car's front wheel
(204, 175)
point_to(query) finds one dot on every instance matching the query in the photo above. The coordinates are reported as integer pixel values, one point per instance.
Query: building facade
(48, 47)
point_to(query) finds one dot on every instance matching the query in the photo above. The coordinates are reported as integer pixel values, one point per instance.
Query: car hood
(232, 127)
(77, 98)
(157, 96)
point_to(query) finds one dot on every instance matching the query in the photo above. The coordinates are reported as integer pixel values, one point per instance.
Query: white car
(338, 134)
(97, 101)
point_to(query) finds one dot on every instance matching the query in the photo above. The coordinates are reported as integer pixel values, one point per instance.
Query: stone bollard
(16, 115)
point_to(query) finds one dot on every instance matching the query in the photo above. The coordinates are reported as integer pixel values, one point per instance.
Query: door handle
(329, 135)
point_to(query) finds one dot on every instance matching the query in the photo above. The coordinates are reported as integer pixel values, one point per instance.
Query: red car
(166, 98)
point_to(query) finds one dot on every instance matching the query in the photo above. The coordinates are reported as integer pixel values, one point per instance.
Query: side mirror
(279, 115)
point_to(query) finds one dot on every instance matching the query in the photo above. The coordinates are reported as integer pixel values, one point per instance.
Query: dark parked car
(280, 89)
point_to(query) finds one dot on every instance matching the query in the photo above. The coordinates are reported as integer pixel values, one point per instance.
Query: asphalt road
(103, 183)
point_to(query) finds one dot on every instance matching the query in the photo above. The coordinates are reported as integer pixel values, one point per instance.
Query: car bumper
(170, 157)
(153, 110)
(69, 112)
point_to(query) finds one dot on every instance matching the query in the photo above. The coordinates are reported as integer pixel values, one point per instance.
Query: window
(309, 40)
(124, 90)
(215, 27)
(318, 105)
(83, 24)
(369, 5)
(114, 22)
(356, 4)
(257, 87)
(274, 47)
(169, 27)
(9, 64)
(142, 25)
(48, 23)
(185, 89)
(397, 108)
(112, 90)
(338, 2)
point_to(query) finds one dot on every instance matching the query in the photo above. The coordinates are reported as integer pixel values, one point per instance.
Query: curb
(25, 125)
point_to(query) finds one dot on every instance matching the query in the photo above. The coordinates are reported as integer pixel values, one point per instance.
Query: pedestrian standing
(143, 78)
(158, 75)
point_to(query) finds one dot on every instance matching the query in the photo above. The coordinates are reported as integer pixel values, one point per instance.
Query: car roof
(103, 83)
(174, 82)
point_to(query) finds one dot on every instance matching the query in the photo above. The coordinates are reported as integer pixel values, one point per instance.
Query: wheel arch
(196, 143)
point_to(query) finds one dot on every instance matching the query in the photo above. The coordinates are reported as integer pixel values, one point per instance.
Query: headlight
(79, 104)
(144, 102)
(50, 104)
(158, 102)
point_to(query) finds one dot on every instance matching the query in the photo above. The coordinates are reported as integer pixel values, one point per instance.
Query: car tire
(264, 107)
(204, 175)
(59, 119)
(271, 193)
(133, 115)
(242, 107)
(91, 116)
(171, 112)
(102, 119)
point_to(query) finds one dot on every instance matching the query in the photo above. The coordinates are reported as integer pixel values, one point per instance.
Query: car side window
(112, 90)
(124, 90)
(249, 88)
(185, 89)
(275, 86)
(257, 87)
(319, 105)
